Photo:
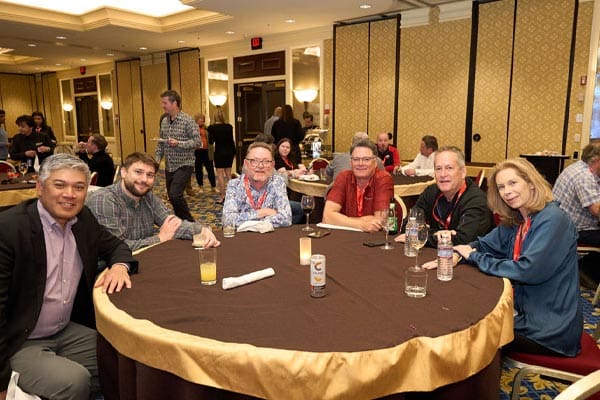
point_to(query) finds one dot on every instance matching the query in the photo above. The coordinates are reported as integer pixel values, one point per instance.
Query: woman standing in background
(220, 134)
(40, 125)
(289, 127)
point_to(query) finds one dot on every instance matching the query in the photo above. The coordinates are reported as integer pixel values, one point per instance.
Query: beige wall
(130, 112)
(17, 97)
(154, 82)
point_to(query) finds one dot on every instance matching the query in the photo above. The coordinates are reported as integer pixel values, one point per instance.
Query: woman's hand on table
(464, 250)
(114, 279)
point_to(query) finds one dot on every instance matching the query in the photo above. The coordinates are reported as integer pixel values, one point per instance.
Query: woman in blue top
(535, 246)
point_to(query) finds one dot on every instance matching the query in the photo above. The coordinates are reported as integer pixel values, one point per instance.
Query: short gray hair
(365, 143)
(359, 137)
(452, 149)
(63, 161)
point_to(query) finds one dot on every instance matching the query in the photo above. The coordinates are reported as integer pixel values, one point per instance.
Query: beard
(130, 186)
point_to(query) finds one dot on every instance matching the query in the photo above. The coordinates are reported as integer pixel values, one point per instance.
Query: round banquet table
(14, 193)
(171, 337)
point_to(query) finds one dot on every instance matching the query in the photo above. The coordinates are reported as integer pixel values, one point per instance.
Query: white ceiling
(91, 36)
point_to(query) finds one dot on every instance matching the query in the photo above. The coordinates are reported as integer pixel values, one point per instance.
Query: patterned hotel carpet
(204, 208)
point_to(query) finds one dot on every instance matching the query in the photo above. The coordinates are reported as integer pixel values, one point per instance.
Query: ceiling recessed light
(181, 41)
(290, 21)
(31, 45)
(83, 59)
(58, 64)
(143, 48)
(230, 33)
(61, 37)
(110, 54)
(365, 6)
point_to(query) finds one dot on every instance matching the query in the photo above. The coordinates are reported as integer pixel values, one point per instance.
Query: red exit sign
(256, 43)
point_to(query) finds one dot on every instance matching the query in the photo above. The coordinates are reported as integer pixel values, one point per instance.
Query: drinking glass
(23, 167)
(418, 213)
(419, 239)
(308, 205)
(382, 216)
(208, 266)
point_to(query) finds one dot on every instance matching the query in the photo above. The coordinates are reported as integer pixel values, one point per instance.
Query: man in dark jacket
(49, 251)
(100, 161)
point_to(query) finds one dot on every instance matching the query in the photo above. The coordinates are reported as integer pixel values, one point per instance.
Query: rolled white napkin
(230, 283)
(342, 228)
(256, 226)
(309, 177)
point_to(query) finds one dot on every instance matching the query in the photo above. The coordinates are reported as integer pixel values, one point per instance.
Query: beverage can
(317, 275)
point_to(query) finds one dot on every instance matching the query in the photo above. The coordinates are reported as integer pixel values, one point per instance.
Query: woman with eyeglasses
(220, 134)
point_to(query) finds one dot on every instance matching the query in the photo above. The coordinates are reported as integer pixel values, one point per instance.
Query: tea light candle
(305, 251)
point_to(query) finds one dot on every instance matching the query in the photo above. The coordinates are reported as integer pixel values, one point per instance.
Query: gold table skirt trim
(419, 364)
(13, 197)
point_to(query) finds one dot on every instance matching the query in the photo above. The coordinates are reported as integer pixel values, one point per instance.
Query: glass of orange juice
(208, 265)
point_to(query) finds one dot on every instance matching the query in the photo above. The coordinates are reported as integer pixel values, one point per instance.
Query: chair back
(585, 249)
(479, 178)
(117, 175)
(319, 163)
(5, 166)
(582, 389)
(94, 178)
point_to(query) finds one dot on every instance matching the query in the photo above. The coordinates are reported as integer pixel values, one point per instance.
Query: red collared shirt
(377, 193)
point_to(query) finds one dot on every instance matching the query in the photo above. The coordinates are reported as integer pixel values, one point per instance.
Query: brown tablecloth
(270, 339)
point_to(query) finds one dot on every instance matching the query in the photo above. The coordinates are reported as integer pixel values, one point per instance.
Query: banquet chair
(319, 163)
(583, 388)
(479, 178)
(582, 250)
(402, 209)
(117, 175)
(94, 178)
(570, 369)
(5, 166)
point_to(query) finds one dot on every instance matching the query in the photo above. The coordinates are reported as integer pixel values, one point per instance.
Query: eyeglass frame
(255, 163)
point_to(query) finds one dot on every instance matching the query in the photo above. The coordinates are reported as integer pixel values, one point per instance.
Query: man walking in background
(179, 138)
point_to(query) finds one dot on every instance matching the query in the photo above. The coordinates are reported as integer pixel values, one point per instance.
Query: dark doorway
(86, 108)
(254, 104)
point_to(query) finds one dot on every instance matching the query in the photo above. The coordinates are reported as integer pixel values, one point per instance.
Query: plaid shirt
(185, 130)
(134, 222)
(236, 202)
(576, 189)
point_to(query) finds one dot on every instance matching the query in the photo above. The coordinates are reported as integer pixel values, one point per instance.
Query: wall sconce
(67, 107)
(217, 100)
(306, 96)
(106, 105)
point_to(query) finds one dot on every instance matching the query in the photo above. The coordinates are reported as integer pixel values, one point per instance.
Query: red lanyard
(360, 196)
(521, 233)
(446, 223)
(261, 200)
(287, 162)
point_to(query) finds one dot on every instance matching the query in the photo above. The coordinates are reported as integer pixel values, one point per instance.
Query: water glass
(229, 226)
(415, 283)
(208, 265)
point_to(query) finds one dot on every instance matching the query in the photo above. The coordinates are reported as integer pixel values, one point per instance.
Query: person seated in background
(357, 193)
(453, 203)
(577, 190)
(49, 251)
(422, 165)
(387, 153)
(100, 161)
(269, 123)
(41, 127)
(286, 162)
(129, 209)
(258, 194)
(28, 144)
(535, 246)
(308, 122)
(341, 162)
(287, 166)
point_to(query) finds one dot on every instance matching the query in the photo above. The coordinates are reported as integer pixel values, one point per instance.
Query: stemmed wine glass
(419, 239)
(308, 205)
(23, 167)
(382, 216)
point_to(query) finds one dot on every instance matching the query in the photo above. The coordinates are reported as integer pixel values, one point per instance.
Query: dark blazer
(23, 273)
(103, 164)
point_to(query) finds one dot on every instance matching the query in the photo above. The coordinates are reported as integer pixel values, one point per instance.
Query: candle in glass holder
(305, 251)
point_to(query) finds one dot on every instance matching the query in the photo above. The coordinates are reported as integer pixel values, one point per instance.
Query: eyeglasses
(256, 163)
(362, 160)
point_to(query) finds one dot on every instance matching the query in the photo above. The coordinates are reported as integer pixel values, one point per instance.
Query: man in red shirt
(357, 193)
(389, 154)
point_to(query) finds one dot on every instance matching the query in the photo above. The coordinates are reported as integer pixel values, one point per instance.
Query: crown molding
(455, 11)
(415, 17)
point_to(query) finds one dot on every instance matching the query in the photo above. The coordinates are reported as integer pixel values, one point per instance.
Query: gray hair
(57, 162)
(452, 149)
(359, 137)
(365, 143)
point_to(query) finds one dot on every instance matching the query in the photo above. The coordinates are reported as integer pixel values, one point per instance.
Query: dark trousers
(202, 160)
(176, 182)
(591, 238)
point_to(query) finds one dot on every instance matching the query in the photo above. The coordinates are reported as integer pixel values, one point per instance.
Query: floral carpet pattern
(203, 206)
